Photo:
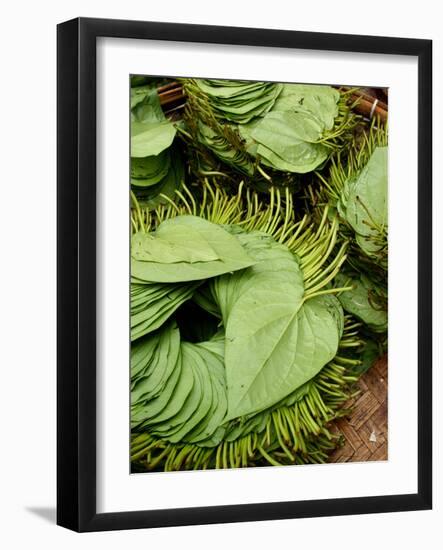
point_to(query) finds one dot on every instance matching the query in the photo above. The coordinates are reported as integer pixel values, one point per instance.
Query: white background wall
(27, 273)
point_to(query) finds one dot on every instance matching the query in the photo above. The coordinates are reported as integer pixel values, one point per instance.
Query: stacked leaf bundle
(257, 127)
(251, 315)
(156, 165)
(356, 188)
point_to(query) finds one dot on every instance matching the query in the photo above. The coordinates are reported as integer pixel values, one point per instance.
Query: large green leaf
(307, 157)
(364, 202)
(229, 251)
(361, 301)
(320, 101)
(275, 268)
(148, 171)
(151, 138)
(273, 347)
(172, 243)
(282, 130)
(145, 105)
(287, 141)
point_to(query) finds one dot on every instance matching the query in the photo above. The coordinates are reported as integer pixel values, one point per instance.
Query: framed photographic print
(244, 274)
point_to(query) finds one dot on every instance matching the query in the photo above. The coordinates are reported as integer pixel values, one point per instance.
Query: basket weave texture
(365, 431)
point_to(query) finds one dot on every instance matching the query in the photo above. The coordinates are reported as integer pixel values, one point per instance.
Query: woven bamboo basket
(365, 430)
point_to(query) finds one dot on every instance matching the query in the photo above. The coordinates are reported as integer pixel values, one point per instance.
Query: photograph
(258, 273)
(230, 224)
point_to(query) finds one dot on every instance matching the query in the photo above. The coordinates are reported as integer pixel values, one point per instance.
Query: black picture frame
(76, 279)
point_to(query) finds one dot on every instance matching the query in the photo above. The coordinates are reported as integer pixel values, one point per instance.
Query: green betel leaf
(273, 347)
(181, 392)
(310, 156)
(145, 104)
(172, 243)
(151, 307)
(361, 301)
(223, 149)
(151, 138)
(281, 130)
(320, 101)
(240, 101)
(152, 196)
(230, 88)
(287, 141)
(213, 358)
(142, 354)
(364, 203)
(148, 171)
(152, 381)
(217, 241)
(274, 264)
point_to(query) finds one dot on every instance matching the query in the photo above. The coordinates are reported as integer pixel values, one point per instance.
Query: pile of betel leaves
(258, 270)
